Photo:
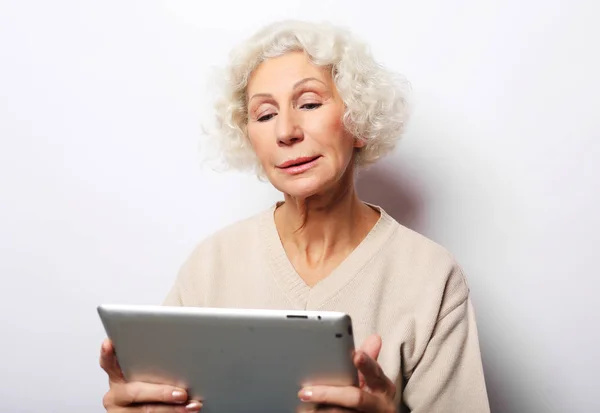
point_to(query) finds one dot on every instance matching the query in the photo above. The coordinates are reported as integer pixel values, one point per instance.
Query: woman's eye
(266, 117)
(310, 106)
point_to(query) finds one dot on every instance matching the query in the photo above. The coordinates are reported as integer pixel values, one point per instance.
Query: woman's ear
(359, 143)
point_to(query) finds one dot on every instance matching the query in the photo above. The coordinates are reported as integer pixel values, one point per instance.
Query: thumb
(109, 362)
(372, 346)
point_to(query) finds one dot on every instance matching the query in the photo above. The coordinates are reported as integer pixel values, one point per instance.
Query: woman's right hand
(138, 397)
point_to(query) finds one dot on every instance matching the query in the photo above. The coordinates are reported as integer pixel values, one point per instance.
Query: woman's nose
(288, 131)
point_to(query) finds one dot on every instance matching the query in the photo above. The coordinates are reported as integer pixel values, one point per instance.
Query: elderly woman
(305, 105)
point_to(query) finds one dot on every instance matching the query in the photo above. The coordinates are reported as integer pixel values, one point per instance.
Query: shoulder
(425, 264)
(239, 236)
(415, 246)
(217, 256)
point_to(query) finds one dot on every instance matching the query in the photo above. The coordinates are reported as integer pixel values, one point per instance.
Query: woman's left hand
(375, 394)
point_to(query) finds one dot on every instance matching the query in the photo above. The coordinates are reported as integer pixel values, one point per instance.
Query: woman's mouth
(298, 165)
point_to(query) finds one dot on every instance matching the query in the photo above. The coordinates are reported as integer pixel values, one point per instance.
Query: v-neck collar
(295, 288)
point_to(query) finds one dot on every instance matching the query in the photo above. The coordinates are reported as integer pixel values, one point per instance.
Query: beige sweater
(396, 283)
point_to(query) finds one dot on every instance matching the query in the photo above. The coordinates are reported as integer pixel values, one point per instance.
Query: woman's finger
(372, 346)
(373, 374)
(109, 362)
(322, 408)
(332, 409)
(126, 394)
(192, 407)
(348, 397)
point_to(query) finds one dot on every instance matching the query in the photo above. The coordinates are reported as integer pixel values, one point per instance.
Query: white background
(102, 195)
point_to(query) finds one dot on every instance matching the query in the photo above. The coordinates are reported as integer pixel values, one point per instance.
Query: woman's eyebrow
(296, 85)
(307, 79)
(261, 95)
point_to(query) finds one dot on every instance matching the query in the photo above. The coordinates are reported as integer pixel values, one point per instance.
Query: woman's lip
(303, 167)
(297, 162)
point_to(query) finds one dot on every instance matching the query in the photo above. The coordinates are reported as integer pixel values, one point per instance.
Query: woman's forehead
(282, 73)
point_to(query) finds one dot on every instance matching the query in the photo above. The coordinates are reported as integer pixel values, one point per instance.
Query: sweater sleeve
(174, 298)
(186, 290)
(449, 376)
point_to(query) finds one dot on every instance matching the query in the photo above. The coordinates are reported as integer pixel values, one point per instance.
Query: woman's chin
(301, 188)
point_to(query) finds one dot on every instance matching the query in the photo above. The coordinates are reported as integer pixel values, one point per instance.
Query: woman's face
(295, 126)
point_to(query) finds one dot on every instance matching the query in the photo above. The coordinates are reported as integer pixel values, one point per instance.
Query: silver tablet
(234, 360)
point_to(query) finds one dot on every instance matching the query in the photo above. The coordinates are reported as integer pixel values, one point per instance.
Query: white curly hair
(375, 98)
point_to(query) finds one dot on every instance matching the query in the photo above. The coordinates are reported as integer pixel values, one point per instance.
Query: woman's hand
(138, 397)
(375, 393)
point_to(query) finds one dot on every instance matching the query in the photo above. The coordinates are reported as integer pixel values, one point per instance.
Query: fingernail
(305, 394)
(179, 395)
(193, 407)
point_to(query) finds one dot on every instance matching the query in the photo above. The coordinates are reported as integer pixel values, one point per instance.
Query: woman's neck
(322, 227)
